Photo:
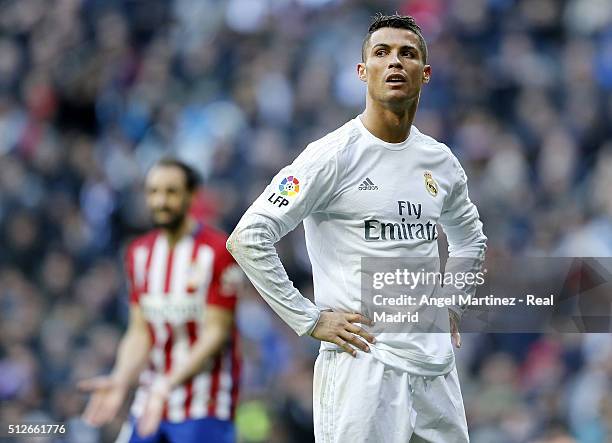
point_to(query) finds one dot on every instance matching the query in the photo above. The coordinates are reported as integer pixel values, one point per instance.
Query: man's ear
(361, 72)
(426, 73)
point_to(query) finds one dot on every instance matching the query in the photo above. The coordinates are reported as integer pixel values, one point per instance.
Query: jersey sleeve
(222, 290)
(133, 293)
(461, 222)
(466, 240)
(298, 190)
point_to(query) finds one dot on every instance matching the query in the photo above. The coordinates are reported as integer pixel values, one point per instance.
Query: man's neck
(174, 235)
(387, 124)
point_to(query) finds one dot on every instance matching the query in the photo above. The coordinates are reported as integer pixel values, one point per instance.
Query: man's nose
(159, 200)
(394, 61)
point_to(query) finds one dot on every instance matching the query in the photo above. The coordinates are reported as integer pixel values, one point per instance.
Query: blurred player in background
(352, 188)
(181, 343)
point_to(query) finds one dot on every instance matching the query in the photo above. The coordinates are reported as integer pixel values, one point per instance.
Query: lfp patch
(290, 186)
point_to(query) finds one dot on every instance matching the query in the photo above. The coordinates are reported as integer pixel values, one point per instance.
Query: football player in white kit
(351, 189)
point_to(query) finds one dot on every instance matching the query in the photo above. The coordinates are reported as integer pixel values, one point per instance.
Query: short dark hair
(192, 178)
(397, 21)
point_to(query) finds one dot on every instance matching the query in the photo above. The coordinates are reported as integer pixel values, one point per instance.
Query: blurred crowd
(92, 92)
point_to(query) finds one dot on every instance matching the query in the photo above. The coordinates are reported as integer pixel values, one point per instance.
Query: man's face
(393, 67)
(167, 196)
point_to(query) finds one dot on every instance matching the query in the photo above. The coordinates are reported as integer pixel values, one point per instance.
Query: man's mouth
(395, 78)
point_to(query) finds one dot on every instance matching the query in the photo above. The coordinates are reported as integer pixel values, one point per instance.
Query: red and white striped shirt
(173, 287)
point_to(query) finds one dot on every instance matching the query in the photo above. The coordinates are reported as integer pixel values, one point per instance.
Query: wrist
(455, 313)
(161, 386)
(318, 321)
(120, 381)
(314, 325)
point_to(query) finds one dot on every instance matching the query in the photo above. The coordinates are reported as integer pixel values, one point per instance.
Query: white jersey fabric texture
(341, 186)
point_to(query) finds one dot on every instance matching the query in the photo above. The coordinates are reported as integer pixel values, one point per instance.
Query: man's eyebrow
(386, 45)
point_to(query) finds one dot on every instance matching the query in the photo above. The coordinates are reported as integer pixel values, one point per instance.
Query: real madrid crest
(430, 183)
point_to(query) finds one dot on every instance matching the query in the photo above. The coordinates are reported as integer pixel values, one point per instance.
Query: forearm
(466, 239)
(252, 245)
(467, 272)
(208, 346)
(467, 247)
(466, 252)
(132, 356)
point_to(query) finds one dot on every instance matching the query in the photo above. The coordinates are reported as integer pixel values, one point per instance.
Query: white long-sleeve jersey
(350, 189)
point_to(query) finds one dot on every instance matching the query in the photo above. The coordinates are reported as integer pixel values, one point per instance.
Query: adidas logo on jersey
(368, 185)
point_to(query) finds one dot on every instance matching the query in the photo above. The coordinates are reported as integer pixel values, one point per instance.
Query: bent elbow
(236, 242)
(230, 244)
(247, 239)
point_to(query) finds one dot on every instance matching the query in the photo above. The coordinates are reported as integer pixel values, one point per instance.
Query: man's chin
(398, 94)
(397, 98)
(169, 225)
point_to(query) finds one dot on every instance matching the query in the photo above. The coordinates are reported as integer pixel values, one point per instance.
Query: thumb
(456, 336)
(151, 417)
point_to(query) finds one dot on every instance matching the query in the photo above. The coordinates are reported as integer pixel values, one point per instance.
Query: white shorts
(360, 399)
